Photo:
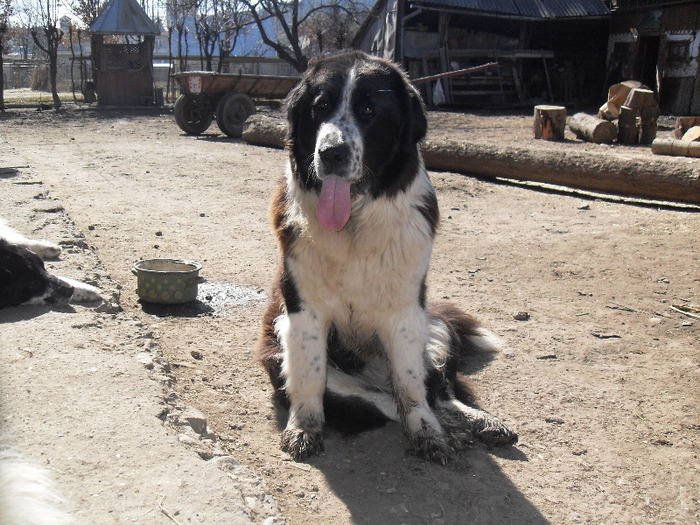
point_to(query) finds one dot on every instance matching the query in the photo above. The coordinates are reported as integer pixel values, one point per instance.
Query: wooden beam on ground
(647, 179)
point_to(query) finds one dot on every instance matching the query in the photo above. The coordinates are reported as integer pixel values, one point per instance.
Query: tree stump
(593, 129)
(550, 122)
(617, 95)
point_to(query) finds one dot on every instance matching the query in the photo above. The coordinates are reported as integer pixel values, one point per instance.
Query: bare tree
(47, 36)
(87, 10)
(331, 29)
(5, 14)
(178, 12)
(291, 18)
(25, 18)
(207, 22)
(235, 18)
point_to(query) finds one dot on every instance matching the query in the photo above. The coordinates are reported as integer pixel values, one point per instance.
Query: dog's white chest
(355, 277)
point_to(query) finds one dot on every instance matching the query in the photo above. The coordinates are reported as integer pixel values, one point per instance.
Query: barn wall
(660, 47)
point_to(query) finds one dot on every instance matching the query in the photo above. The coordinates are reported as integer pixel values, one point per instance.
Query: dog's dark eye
(367, 112)
(322, 105)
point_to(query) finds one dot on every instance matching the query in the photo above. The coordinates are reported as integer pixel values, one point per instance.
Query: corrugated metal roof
(532, 9)
(123, 17)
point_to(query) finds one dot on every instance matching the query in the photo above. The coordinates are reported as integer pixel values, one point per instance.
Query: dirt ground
(600, 381)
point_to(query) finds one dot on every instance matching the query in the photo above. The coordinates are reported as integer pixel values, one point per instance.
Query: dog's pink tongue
(333, 209)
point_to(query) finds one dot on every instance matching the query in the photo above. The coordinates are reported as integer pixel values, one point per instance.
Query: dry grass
(29, 97)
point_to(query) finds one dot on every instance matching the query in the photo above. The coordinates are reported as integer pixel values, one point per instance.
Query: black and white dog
(25, 280)
(348, 328)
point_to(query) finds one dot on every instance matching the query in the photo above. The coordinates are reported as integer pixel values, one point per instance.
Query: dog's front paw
(300, 443)
(434, 448)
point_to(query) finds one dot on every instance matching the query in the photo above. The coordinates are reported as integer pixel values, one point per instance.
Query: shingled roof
(123, 17)
(523, 9)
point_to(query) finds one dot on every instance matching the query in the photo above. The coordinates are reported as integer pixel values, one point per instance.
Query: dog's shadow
(14, 314)
(379, 482)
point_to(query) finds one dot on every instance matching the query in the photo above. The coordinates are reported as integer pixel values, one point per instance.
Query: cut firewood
(550, 122)
(593, 129)
(648, 131)
(683, 124)
(628, 132)
(692, 134)
(640, 98)
(617, 95)
(683, 148)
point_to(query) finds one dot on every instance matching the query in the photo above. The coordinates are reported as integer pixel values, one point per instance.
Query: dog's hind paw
(301, 444)
(496, 433)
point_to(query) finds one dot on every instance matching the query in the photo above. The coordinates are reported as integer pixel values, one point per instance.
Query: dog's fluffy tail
(27, 494)
(466, 333)
(457, 341)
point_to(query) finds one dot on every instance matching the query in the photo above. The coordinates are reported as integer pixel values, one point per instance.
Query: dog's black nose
(334, 157)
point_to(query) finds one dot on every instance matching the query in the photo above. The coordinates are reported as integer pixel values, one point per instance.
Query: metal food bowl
(167, 281)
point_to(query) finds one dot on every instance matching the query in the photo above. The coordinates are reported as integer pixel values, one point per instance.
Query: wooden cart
(226, 97)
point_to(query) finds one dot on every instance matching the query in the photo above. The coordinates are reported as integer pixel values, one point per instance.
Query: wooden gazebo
(122, 54)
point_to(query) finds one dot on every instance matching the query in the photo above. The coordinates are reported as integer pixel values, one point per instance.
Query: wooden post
(628, 132)
(550, 122)
(593, 129)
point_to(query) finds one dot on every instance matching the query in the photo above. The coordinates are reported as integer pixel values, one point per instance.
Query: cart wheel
(192, 117)
(232, 111)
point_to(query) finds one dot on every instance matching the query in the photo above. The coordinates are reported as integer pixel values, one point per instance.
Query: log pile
(638, 115)
(629, 116)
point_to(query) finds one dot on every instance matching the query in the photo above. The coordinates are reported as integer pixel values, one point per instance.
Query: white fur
(341, 128)
(27, 493)
(44, 249)
(83, 292)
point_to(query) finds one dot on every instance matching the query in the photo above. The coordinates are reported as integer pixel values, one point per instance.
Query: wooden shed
(122, 54)
(547, 50)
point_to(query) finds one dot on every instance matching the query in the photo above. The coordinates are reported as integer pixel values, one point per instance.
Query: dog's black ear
(293, 104)
(417, 119)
